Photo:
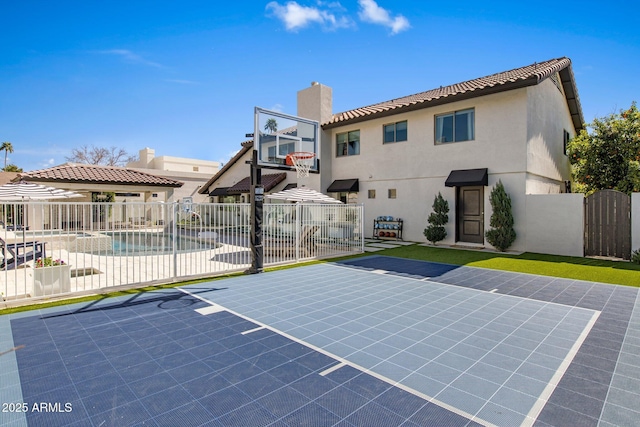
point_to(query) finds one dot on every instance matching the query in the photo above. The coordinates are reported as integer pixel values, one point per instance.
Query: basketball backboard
(277, 134)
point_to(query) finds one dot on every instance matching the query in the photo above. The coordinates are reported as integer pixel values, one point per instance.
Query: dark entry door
(470, 214)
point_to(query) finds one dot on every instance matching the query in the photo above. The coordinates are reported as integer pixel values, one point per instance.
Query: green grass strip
(593, 270)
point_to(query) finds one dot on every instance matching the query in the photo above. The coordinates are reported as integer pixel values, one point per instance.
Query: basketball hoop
(302, 161)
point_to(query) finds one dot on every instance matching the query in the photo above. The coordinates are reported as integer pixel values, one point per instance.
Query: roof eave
(531, 81)
(573, 100)
(177, 184)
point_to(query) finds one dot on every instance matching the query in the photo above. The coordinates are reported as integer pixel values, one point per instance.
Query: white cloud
(130, 56)
(295, 16)
(277, 107)
(371, 12)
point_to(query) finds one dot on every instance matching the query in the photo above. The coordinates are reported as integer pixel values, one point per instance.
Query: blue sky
(183, 77)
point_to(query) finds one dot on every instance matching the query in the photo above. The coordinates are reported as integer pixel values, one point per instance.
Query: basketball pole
(257, 201)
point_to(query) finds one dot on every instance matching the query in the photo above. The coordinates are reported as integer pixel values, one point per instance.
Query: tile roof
(246, 146)
(268, 182)
(78, 173)
(519, 77)
(6, 177)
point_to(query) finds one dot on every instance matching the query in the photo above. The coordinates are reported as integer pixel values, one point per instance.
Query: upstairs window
(455, 127)
(348, 143)
(395, 132)
(565, 141)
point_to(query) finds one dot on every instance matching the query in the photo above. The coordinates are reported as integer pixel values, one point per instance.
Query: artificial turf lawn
(593, 270)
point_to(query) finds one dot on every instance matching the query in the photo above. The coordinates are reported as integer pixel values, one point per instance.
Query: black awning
(220, 191)
(344, 186)
(467, 177)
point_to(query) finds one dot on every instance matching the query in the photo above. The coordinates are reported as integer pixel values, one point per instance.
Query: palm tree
(8, 148)
(271, 125)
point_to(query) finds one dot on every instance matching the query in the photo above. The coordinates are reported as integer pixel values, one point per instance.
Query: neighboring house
(7, 177)
(92, 182)
(193, 173)
(232, 183)
(396, 156)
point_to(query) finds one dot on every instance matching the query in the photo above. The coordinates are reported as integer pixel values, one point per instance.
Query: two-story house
(458, 140)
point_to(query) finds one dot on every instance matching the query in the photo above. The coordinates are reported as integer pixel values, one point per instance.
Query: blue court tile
(176, 359)
(367, 386)
(252, 415)
(108, 399)
(312, 415)
(554, 415)
(140, 371)
(283, 401)
(92, 384)
(205, 348)
(188, 372)
(342, 401)
(225, 401)
(400, 402)
(205, 385)
(240, 371)
(290, 372)
(373, 414)
(269, 360)
(260, 385)
(166, 400)
(193, 413)
(431, 414)
(313, 386)
(152, 384)
(131, 413)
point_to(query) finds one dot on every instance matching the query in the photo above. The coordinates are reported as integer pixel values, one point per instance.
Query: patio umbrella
(302, 194)
(23, 191)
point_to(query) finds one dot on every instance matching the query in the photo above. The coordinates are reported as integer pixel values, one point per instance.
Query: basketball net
(302, 161)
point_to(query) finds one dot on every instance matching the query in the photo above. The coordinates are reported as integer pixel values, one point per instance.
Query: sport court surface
(372, 341)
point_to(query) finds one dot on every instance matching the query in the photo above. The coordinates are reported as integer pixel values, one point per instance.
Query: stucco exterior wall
(555, 224)
(547, 117)
(417, 168)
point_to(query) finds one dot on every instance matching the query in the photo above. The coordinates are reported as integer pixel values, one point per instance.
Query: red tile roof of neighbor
(268, 182)
(7, 177)
(519, 77)
(70, 172)
(246, 146)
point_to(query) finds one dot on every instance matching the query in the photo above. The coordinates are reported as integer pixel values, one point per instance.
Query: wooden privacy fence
(607, 224)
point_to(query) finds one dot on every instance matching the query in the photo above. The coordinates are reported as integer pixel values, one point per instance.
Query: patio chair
(16, 254)
(286, 247)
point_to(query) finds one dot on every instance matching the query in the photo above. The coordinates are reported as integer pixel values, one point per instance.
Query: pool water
(155, 243)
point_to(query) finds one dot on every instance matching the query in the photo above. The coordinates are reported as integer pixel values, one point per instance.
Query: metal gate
(607, 225)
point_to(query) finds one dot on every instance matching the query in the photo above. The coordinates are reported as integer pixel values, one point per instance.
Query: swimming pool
(127, 243)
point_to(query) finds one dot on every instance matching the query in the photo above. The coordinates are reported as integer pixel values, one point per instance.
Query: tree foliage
(7, 147)
(609, 156)
(435, 231)
(93, 155)
(502, 234)
(12, 168)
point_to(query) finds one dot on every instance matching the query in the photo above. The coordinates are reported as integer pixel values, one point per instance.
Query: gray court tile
(500, 415)
(514, 400)
(462, 400)
(439, 372)
(617, 416)
(424, 384)
(526, 385)
(477, 386)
